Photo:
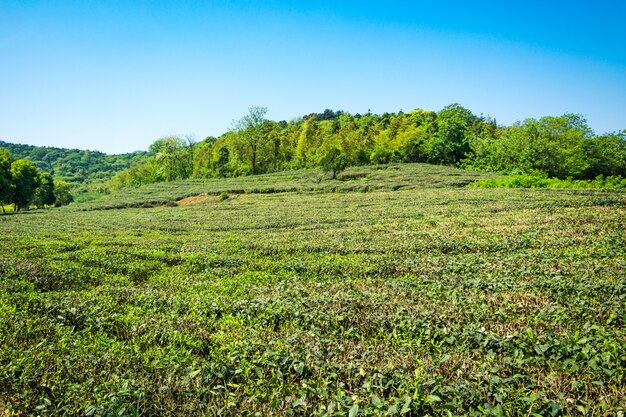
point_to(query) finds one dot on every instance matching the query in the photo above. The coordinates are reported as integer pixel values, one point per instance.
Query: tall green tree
(174, 157)
(6, 183)
(44, 194)
(306, 140)
(559, 142)
(221, 165)
(606, 155)
(555, 146)
(25, 181)
(62, 194)
(250, 129)
(333, 161)
(451, 143)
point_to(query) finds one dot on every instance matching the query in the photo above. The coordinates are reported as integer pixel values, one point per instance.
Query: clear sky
(116, 75)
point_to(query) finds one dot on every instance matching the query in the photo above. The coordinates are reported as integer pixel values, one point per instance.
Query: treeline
(75, 166)
(23, 185)
(559, 147)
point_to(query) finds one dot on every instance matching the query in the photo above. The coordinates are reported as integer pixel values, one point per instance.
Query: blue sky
(117, 75)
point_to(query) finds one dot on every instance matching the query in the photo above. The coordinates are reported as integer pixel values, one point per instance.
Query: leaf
(553, 408)
(407, 406)
(432, 399)
(353, 410)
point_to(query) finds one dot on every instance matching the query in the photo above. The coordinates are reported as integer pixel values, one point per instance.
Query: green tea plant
(425, 299)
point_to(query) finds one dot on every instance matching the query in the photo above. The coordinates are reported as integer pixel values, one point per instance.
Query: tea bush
(428, 300)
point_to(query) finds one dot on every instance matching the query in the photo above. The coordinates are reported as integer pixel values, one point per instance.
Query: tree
(250, 129)
(25, 182)
(334, 160)
(44, 194)
(6, 183)
(74, 165)
(456, 126)
(606, 156)
(560, 145)
(222, 162)
(62, 194)
(174, 156)
(555, 146)
(450, 144)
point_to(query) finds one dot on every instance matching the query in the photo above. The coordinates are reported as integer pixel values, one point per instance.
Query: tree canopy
(25, 177)
(556, 146)
(74, 166)
(22, 184)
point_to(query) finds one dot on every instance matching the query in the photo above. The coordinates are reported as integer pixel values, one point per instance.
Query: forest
(74, 166)
(23, 185)
(562, 147)
(553, 151)
(49, 176)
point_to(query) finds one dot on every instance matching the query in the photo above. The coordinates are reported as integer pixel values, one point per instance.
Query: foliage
(74, 166)
(541, 181)
(62, 194)
(25, 179)
(22, 184)
(45, 193)
(560, 147)
(606, 155)
(6, 180)
(252, 134)
(368, 178)
(222, 162)
(428, 300)
(334, 161)
(174, 158)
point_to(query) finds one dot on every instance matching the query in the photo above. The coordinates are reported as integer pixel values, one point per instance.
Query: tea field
(395, 291)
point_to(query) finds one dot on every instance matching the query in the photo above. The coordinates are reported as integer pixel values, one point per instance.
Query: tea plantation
(394, 290)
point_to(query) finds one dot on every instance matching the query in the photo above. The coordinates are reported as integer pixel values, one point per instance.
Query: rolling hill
(74, 166)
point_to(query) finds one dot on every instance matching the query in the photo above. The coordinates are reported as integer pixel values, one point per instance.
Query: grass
(438, 300)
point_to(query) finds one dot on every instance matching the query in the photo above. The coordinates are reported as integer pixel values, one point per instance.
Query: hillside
(74, 166)
(298, 295)
(561, 147)
(362, 179)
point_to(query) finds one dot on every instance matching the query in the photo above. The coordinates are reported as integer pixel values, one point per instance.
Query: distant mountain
(74, 165)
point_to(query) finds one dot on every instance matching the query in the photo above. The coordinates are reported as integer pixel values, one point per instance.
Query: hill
(362, 179)
(74, 166)
(300, 295)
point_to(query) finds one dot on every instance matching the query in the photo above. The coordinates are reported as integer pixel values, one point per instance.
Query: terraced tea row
(415, 301)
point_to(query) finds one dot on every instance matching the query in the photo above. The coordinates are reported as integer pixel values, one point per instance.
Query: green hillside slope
(74, 166)
(429, 298)
(361, 179)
